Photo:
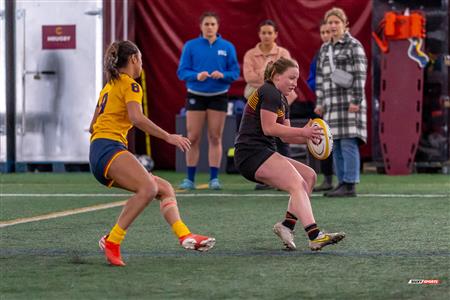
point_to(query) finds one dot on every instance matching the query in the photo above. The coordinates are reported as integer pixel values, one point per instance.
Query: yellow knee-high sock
(180, 229)
(116, 235)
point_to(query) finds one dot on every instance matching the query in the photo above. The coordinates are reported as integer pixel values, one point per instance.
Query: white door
(59, 76)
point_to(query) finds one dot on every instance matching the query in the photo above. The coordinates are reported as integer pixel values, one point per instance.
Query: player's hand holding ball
(312, 132)
(320, 146)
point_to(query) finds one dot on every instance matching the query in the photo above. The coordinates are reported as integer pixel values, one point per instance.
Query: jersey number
(103, 103)
(135, 87)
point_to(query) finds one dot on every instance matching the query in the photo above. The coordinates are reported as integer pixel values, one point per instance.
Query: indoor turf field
(397, 230)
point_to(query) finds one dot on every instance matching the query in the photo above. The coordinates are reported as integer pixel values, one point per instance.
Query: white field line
(121, 203)
(180, 195)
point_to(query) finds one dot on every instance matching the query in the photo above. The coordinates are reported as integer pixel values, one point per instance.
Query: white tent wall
(58, 78)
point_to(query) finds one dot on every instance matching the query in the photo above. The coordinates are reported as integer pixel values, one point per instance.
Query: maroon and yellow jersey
(250, 134)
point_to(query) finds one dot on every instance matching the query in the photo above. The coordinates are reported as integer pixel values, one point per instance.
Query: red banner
(164, 26)
(58, 37)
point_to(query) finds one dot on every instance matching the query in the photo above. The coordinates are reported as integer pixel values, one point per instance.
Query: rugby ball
(322, 148)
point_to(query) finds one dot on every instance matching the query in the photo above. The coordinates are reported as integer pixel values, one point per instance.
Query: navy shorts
(202, 103)
(247, 161)
(101, 154)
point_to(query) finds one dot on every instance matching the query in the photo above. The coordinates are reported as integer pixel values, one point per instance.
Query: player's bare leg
(169, 210)
(129, 174)
(279, 172)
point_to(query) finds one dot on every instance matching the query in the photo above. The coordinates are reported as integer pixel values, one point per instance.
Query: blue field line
(5, 253)
(181, 195)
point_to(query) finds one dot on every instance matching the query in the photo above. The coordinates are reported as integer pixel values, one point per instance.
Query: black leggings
(326, 166)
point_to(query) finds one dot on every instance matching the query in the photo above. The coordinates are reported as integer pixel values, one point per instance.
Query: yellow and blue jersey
(112, 121)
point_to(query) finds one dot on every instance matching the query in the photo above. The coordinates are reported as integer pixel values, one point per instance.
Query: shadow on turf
(77, 258)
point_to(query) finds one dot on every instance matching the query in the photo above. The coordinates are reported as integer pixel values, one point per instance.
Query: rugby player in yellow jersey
(118, 109)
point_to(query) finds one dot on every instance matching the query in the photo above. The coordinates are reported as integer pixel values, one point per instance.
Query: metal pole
(24, 86)
(125, 20)
(113, 21)
(10, 22)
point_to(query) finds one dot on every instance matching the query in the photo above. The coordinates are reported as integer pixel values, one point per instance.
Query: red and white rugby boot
(112, 251)
(197, 242)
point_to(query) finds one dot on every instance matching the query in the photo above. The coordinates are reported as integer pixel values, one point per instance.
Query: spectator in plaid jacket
(343, 108)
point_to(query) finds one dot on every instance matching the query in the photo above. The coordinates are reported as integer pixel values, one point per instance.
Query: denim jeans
(346, 160)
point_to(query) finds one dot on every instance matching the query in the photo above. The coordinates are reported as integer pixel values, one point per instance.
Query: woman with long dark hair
(118, 109)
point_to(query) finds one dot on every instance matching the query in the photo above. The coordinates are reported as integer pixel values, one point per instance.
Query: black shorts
(247, 161)
(199, 103)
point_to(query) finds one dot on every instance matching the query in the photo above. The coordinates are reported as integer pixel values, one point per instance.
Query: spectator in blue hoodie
(208, 65)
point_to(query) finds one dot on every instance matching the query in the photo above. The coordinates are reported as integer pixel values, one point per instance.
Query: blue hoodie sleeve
(185, 70)
(233, 69)
(312, 74)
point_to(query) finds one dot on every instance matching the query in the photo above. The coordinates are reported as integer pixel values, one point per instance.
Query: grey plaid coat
(349, 56)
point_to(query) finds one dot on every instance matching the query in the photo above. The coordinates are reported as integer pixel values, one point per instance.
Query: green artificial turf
(397, 229)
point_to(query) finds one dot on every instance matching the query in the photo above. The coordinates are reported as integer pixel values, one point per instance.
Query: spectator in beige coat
(255, 62)
(256, 59)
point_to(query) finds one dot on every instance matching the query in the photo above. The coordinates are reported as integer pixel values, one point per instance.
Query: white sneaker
(324, 239)
(286, 235)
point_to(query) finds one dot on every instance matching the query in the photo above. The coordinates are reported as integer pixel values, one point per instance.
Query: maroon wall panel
(162, 27)
(401, 108)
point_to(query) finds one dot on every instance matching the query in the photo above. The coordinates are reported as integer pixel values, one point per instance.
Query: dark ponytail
(116, 57)
(268, 71)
